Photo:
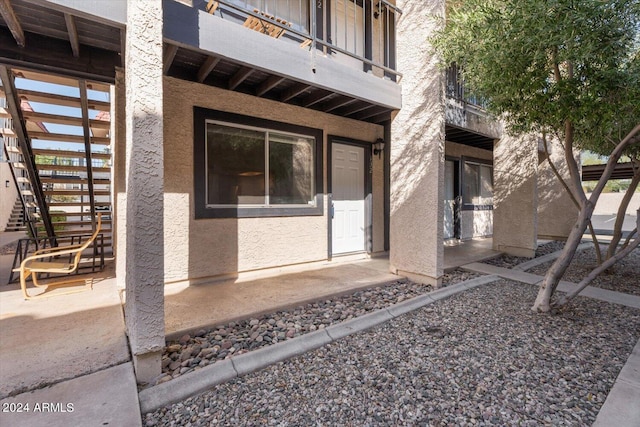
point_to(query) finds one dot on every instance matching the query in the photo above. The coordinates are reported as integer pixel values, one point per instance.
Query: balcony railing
(457, 90)
(353, 31)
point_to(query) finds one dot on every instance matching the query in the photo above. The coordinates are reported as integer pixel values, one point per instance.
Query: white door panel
(348, 223)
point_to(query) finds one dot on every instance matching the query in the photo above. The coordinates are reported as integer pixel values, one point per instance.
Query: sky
(60, 110)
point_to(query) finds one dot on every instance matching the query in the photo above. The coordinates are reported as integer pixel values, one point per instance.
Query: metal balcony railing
(364, 30)
(457, 90)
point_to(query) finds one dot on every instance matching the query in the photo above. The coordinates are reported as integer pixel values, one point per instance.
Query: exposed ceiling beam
(240, 76)
(207, 67)
(381, 117)
(170, 51)
(315, 98)
(269, 84)
(356, 109)
(294, 91)
(370, 113)
(53, 56)
(10, 18)
(337, 103)
(73, 34)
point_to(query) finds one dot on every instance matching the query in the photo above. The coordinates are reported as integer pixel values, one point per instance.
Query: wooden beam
(69, 154)
(356, 109)
(370, 113)
(294, 91)
(66, 101)
(46, 136)
(337, 103)
(10, 18)
(240, 76)
(380, 117)
(269, 84)
(207, 67)
(170, 51)
(315, 98)
(13, 104)
(53, 56)
(59, 80)
(63, 120)
(73, 34)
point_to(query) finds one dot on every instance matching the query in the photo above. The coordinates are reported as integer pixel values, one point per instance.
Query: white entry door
(347, 178)
(449, 200)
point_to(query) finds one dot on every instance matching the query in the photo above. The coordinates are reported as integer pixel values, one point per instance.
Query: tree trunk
(557, 270)
(596, 271)
(560, 265)
(622, 209)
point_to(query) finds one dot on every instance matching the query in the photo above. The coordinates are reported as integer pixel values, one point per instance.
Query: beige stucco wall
(417, 148)
(8, 195)
(556, 211)
(204, 248)
(515, 195)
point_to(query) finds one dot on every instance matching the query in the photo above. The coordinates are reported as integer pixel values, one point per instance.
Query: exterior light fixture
(378, 146)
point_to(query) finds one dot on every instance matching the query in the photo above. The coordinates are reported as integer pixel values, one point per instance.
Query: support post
(144, 252)
(515, 195)
(417, 149)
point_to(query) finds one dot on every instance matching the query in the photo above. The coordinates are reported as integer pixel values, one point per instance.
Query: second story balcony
(467, 121)
(335, 56)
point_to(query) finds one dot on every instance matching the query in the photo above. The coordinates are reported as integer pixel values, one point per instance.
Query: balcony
(335, 56)
(466, 121)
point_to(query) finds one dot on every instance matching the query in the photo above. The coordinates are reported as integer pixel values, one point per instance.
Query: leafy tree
(564, 69)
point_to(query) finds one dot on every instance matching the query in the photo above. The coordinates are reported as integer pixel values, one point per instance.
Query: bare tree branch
(622, 209)
(573, 197)
(596, 271)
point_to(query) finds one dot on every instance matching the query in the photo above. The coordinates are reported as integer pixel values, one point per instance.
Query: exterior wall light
(378, 146)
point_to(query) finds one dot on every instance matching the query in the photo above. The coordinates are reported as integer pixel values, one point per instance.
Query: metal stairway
(56, 135)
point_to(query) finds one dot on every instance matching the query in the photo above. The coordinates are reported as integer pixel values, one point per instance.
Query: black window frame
(200, 117)
(470, 206)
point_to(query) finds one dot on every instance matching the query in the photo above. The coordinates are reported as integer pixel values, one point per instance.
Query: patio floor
(52, 339)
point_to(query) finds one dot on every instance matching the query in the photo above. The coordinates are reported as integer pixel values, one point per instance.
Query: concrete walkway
(188, 308)
(622, 407)
(627, 300)
(103, 398)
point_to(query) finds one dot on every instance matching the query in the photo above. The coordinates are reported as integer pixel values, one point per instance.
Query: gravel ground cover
(623, 277)
(509, 261)
(210, 345)
(481, 357)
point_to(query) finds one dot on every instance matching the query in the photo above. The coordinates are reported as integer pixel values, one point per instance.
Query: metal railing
(361, 29)
(457, 90)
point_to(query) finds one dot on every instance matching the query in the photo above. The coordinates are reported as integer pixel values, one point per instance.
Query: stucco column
(515, 196)
(417, 148)
(144, 252)
(119, 176)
